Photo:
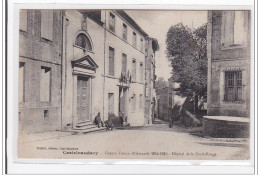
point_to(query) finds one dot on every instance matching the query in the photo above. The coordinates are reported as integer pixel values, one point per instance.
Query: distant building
(150, 96)
(228, 47)
(76, 63)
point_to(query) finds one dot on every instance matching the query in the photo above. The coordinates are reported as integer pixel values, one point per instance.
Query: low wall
(226, 126)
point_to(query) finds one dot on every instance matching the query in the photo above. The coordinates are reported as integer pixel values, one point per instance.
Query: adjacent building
(40, 59)
(76, 63)
(228, 47)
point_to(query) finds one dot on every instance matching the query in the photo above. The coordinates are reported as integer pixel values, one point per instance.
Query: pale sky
(157, 23)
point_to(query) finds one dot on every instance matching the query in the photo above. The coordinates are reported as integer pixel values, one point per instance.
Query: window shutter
(240, 27)
(23, 20)
(124, 61)
(111, 61)
(134, 70)
(21, 82)
(227, 28)
(47, 24)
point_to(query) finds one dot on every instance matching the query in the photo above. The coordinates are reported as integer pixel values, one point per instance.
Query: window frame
(22, 65)
(235, 86)
(134, 39)
(125, 29)
(47, 69)
(232, 45)
(124, 56)
(87, 43)
(113, 64)
(112, 27)
(49, 34)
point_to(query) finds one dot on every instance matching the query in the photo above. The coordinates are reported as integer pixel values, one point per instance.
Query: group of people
(108, 123)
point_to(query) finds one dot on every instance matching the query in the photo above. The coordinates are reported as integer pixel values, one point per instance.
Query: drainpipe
(104, 65)
(61, 67)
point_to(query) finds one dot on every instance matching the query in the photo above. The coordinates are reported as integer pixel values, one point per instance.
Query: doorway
(83, 98)
(123, 100)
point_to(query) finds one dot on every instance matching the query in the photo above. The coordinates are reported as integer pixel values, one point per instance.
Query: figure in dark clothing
(121, 118)
(98, 121)
(109, 124)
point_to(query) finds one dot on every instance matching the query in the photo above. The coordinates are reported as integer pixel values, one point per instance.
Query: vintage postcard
(134, 84)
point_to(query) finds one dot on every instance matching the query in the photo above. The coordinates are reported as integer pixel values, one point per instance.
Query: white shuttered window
(23, 20)
(110, 103)
(45, 84)
(234, 29)
(47, 24)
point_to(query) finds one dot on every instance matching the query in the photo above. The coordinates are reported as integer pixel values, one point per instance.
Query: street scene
(134, 84)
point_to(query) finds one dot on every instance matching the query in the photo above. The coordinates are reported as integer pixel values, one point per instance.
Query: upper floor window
(47, 24)
(142, 45)
(112, 22)
(141, 72)
(134, 39)
(234, 29)
(83, 42)
(111, 62)
(233, 86)
(125, 32)
(134, 70)
(23, 20)
(124, 63)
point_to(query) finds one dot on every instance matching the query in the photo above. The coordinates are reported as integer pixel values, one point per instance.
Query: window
(141, 101)
(112, 22)
(21, 81)
(233, 86)
(133, 103)
(45, 84)
(110, 103)
(125, 32)
(83, 42)
(134, 70)
(141, 72)
(23, 20)
(111, 61)
(234, 28)
(124, 63)
(141, 45)
(47, 24)
(134, 39)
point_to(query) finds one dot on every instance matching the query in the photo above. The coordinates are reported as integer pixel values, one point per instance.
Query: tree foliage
(186, 50)
(160, 83)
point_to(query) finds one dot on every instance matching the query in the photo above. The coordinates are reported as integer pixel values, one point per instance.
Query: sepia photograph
(134, 84)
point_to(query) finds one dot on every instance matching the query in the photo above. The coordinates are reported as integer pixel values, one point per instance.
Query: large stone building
(228, 47)
(90, 60)
(40, 55)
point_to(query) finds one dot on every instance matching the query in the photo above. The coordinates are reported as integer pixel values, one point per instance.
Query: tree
(160, 83)
(186, 50)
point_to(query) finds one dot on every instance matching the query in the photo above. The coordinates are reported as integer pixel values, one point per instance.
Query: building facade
(150, 95)
(229, 58)
(40, 55)
(90, 60)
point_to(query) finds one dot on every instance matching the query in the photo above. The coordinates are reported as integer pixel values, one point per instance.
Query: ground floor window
(21, 81)
(45, 84)
(110, 103)
(233, 86)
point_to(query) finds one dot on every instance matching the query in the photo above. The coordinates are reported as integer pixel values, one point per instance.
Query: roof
(124, 15)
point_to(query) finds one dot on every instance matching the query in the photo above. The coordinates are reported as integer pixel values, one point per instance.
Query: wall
(223, 59)
(35, 52)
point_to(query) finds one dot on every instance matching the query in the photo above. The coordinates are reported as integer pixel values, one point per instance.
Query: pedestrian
(121, 118)
(98, 121)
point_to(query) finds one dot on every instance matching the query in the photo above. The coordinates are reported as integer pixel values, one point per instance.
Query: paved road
(149, 142)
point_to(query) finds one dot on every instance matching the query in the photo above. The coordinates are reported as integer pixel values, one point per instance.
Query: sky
(157, 23)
